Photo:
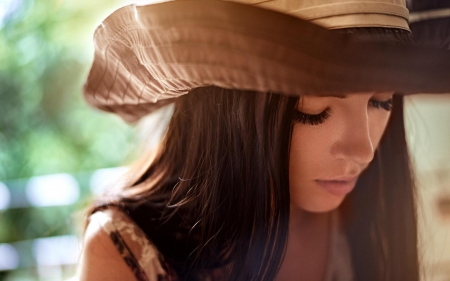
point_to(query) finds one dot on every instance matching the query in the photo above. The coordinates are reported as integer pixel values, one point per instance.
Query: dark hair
(381, 212)
(217, 193)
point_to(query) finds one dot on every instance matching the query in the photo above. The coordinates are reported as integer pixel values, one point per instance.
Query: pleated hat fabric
(146, 56)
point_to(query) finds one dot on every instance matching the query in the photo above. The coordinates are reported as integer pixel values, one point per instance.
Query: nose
(355, 143)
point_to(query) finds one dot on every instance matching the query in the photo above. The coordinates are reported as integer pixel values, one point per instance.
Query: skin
(343, 145)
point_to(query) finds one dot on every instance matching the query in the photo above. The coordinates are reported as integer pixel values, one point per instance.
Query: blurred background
(56, 152)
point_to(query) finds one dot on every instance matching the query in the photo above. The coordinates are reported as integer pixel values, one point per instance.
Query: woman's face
(334, 139)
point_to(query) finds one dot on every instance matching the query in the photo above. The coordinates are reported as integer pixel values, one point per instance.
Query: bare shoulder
(100, 260)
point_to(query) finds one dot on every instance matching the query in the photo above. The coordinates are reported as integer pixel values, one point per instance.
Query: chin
(321, 206)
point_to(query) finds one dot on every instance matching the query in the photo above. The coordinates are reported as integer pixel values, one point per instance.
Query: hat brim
(145, 56)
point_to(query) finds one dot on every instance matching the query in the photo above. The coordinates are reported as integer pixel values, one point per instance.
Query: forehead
(344, 96)
(326, 99)
(334, 96)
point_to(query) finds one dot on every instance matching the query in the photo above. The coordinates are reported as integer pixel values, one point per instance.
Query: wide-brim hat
(146, 56)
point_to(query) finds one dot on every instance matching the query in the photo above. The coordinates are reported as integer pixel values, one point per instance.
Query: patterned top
(147, 263)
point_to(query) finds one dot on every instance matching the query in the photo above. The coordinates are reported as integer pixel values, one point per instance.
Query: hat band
(356, 14)
(362, 20)
(348, 8)
(344, 15)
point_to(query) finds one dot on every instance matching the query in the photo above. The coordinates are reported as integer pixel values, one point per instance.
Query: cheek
(309, 157)
(378, 123)
(309, 147)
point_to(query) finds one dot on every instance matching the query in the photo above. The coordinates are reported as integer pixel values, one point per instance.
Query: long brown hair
(381, 212)
(217, 192)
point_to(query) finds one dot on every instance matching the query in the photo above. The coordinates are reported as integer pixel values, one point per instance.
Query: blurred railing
(40, 220)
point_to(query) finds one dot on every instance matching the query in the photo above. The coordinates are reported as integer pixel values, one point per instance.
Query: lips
(339, 186)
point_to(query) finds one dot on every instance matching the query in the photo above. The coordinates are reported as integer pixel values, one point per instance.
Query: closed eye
(386, 105)
(317, 119)
(310, 119)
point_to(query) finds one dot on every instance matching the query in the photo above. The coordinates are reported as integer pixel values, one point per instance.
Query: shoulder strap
(139, 253)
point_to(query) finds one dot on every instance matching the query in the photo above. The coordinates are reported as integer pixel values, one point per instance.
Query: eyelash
(318, 119)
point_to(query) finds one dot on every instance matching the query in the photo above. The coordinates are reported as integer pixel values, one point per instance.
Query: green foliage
(45, 125)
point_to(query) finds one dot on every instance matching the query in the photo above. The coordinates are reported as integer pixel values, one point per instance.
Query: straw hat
(146, 56)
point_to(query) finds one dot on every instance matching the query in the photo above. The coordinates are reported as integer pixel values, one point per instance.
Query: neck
(303, 222)
(307, 246)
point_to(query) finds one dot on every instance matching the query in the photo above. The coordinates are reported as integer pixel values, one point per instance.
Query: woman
(251, 181)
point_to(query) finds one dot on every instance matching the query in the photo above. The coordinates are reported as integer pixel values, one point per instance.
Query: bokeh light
(52, 190)
(5, 196)
(9, 258)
